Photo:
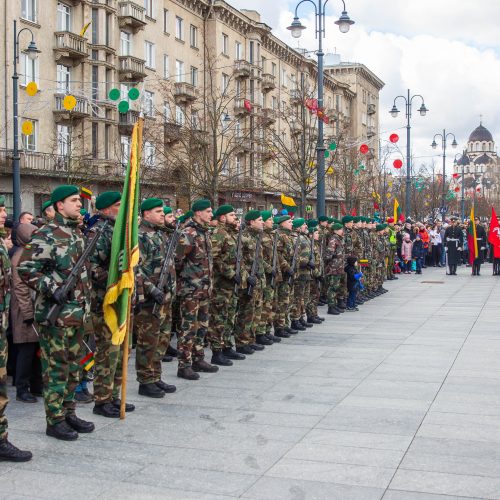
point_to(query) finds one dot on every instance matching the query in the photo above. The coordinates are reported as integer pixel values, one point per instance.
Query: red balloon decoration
(455, 176)
(364, 149)
(398, 163)
(457, 189)
(394, 138)
(478, 188)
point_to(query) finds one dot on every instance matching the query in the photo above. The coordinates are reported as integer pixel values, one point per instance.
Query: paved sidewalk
(400, 401)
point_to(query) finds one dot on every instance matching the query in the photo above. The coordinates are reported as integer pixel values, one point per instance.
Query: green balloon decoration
(123, 107)
(327, 154)
(332, 146)
(133, 94)
(114, 94)
(362, 167)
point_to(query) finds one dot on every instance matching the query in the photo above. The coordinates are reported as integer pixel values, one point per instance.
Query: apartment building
(186, 58)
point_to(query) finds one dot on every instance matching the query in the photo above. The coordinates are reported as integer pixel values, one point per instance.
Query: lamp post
(444, 138)
(462, 162)
(344, 23)
(32, 53)
(394, 113)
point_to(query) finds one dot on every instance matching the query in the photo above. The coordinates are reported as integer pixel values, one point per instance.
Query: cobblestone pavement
(399, 401)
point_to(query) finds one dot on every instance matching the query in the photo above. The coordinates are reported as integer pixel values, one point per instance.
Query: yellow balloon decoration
(27, 128)
(389, 195)
(31, 88)
(69, 102)
(330, 170)
(308, 180)
(311, 164)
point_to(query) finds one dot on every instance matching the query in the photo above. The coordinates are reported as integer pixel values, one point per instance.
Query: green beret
(167, 210)
(150, 203)
(379, 227)
(46, 205)
(252, 215)
(2, 200)
(312, 229)
(330, 220)
(356, 219)
(323, 218)
(347, 218)
(223, 210)
(281, 218)
(200, 205)
(83, 212)
(105, 200)
(336, 226)
(266, 214)
(312, 223)
(298, 222)
(62, 192)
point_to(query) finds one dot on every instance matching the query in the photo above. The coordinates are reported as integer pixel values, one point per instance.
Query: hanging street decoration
(133, 94)
(31, 89)
(69, 102)
(455, 176)
(332, 146)
(398, 163)
(363, 149)
(27, 128)
(329, 170)
(457, 189)
(394, 138)
(327, 153)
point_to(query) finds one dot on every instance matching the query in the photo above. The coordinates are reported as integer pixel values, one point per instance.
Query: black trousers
(28, 368)
(436, 254)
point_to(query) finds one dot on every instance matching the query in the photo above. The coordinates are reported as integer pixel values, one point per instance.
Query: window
(148, 103)
(237, 129)
(95, 140)
(95, 83)
(273, 69)
(283, 77)
(63, 79)
(225, 82)
(275, 102)
(193, 36)
(63, 17)
(125, 149)
(95, 26)
(225, 167)
(29, 141)
(166, 66)
(108, 29)
(194, 76)
(125, 43)
(63, 140)
(238, 53)
(238, 88)
(238, 166)
(165, 20)
(252, 45)
(30, 70)
(149, 49)
(107, 140)
(225, 43)
(179, 71)
(28, 10)
(166, 112)
(195, 120)
(149, 154)
(263, 62)
(149, 6)
(179, 28)
(179, 115)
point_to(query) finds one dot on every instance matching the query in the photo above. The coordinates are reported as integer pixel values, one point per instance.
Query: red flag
(247, 105)
(344, 211)
(494, 234)
(353, 212)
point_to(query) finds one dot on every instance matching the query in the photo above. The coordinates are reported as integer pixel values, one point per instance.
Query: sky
(446, 50)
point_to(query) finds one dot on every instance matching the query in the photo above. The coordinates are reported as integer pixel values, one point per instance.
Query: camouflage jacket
(285, 252)
(374, 251)
(352, 244)
(224, 248)
(318, 271)
(5, 277)
(194, 263)
(303, 273)
(366, 248)
(267, 250)
(45, 264)
(334, 256)
(99, 263)
(380, 250)
(248, 254)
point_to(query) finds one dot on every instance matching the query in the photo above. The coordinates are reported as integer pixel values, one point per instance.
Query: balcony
(240, 109)
(79, 112)
(295, 96)
(184, 92)
(127, 121)
(70, 49)
(268, 82)
(171, 132)
(269, 116)
(256, 73)
(132, 16)
(131, 68)
(243, 144)
(296, 128)
(242, 68)
(370, 132)
(372, 109)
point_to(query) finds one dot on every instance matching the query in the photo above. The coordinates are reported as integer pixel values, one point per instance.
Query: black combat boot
(9, 453)
(167, 358)
(187, 373)
(151, 391)
(61, 431)
(171, 351)
(79, 425)
(272, 337)
(313, 320)
(305, 323)
(290, 330)
(341, 304)
(106, 410)
(230, 353)
(201, 365)
(320, 318)
(167, 388)
(333, 310)
(219, 359)
(281, 333)
(257, 347)
(296, 325)
(262, 340)
(128, 406)
(244, 349)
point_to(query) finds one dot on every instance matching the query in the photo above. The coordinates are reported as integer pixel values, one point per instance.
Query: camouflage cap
(150, 203)
(106, 199)
(252, 215)
(62, 192)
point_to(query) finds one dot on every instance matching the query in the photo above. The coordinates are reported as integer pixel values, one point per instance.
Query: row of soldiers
(237, 286)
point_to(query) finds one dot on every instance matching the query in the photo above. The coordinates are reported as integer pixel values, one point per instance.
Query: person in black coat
(482, 245)
(417, 252)
(453, 244)
(353, 277)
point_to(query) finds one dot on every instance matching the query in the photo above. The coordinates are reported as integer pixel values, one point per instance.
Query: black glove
(311, 265)
(237, 279)
(157, 295)
(288, 274)
(29, 321)
(60, 297)
(252, 280)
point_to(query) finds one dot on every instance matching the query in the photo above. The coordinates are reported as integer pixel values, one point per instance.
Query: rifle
(255, 263)
(238, 258)
(275, 259)
(71, 280)
(294, 260)
(165, 276)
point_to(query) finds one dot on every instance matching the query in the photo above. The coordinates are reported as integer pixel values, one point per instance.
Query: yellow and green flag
(125, 247)
(288, 203)
(472, 238)
(398, 214)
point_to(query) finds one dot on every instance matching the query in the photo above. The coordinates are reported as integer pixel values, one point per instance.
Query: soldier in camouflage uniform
(48, 212)
(334, 268)
(283, 275)
(364, 261)
(392, 249)
(305, 264)
(8, 452)
(44, 266)
(194, 287)
(324, 236)
(372, 265)
(380, 256)
(151, 342)
(316, 276)
(224, 300)
(108, 359)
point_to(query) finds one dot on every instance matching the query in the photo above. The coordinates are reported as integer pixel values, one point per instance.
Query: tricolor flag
(289, 203)
(88, 361)
(494, 234)
(86, 193)
(472, 238)
(398, 214)
(125, 247)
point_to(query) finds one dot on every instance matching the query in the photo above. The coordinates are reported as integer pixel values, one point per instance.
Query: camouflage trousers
(334, 286)
(108, 363)
(244, 331)
(391, 256)
(222, 318)
(266, 311)
(61, 354)
(381, 273)
(3, 383)
(193, 328)
(281, 304)
(151, 343)
(300, 297)
(314, 293)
